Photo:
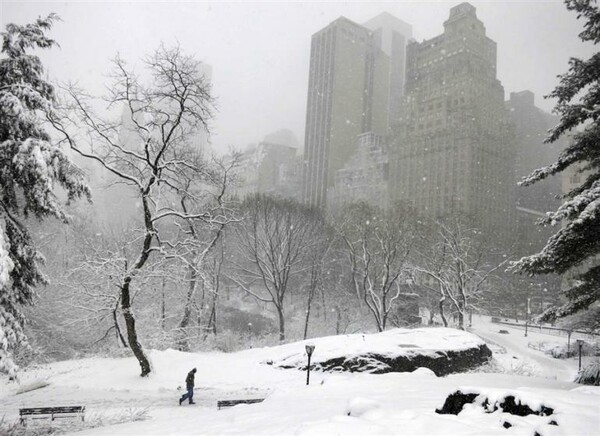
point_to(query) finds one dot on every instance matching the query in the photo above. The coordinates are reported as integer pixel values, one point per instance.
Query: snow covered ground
(345, 404)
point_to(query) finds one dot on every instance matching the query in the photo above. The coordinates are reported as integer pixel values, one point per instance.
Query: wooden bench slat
(230, 403)
(54, 412)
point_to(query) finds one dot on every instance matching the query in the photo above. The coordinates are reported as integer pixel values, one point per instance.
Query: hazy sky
(259, 51)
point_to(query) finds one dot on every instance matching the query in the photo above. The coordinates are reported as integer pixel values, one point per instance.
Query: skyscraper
(452, 150)
(348, 94)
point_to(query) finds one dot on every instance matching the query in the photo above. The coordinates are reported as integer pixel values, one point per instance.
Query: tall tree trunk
(311, 296)
(163, 307)
(117, 328)
(338, 320)
(134, 344)
(307, 318)
(212, 320)
(444, 320)
(182, 341)
(281, 324)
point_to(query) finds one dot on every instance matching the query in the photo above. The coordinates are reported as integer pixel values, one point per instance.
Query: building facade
(532, 202)
(348, 94)
(273, 167)
(452, 148)
(365, 175)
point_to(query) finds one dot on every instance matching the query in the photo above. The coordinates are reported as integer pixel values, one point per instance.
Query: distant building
(356, 77)
(365, 175)
(452, 149)
(532, 202)
(531, 128)
(245, 174)
(391, 35)
(271, 168)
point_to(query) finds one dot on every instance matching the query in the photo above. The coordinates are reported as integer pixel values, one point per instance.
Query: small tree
(317, 264)
(576, 245)
(459, 268)
(30, 167)
(377, 246)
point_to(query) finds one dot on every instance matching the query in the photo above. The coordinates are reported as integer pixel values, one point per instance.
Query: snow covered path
(516, 346)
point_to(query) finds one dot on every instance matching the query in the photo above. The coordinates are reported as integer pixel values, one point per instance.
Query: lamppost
(527, 317)
(309, 350)
(250, 333)
(580, 344)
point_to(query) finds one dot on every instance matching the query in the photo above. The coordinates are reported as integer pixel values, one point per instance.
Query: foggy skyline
(259, 52)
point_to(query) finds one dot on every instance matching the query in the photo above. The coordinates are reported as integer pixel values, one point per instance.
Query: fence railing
(547, 329)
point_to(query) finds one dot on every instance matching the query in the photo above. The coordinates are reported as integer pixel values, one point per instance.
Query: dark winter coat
(189, 380)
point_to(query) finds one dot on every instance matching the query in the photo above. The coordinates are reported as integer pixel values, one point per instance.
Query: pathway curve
(516, 346)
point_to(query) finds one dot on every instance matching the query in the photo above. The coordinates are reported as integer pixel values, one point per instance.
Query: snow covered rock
(441, 350)
(507, 402)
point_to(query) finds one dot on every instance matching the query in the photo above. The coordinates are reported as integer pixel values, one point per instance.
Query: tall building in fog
(271, 167)
(391, 35)
(365, 175)
(531, 128)
(349, 91)
(453, 150)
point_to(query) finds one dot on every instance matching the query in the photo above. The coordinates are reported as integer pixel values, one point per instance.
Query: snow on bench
(231, 403)
(51, 412)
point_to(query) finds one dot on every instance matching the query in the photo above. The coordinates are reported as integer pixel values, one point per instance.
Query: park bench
(231, 403)
(52, 412)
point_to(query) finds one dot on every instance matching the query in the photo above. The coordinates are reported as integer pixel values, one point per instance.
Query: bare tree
(459, 268)
(377, 247)
(318, 261)
(275, 238)
(164, 115)
(202, 187)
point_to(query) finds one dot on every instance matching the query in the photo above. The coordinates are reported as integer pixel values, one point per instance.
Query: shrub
(590, 374)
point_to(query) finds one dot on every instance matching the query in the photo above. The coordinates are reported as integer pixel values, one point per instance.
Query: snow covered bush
(590, 374)
(562, 351)
(526, 368)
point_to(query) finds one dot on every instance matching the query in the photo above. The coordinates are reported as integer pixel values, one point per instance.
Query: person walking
(189, 385)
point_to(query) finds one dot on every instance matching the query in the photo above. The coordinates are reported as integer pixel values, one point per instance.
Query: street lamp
(309, 350)
(527, 317)
(580, 344)
(250, 333)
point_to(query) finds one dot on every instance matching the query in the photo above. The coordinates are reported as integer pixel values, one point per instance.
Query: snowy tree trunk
(311, 296)
(281, 323)
(338, 320)
(117, 328)
(163, 308)
(211, 326)
(134, 344)
(461, 319)
(444, 320)
(307, 317)
(182, 341)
